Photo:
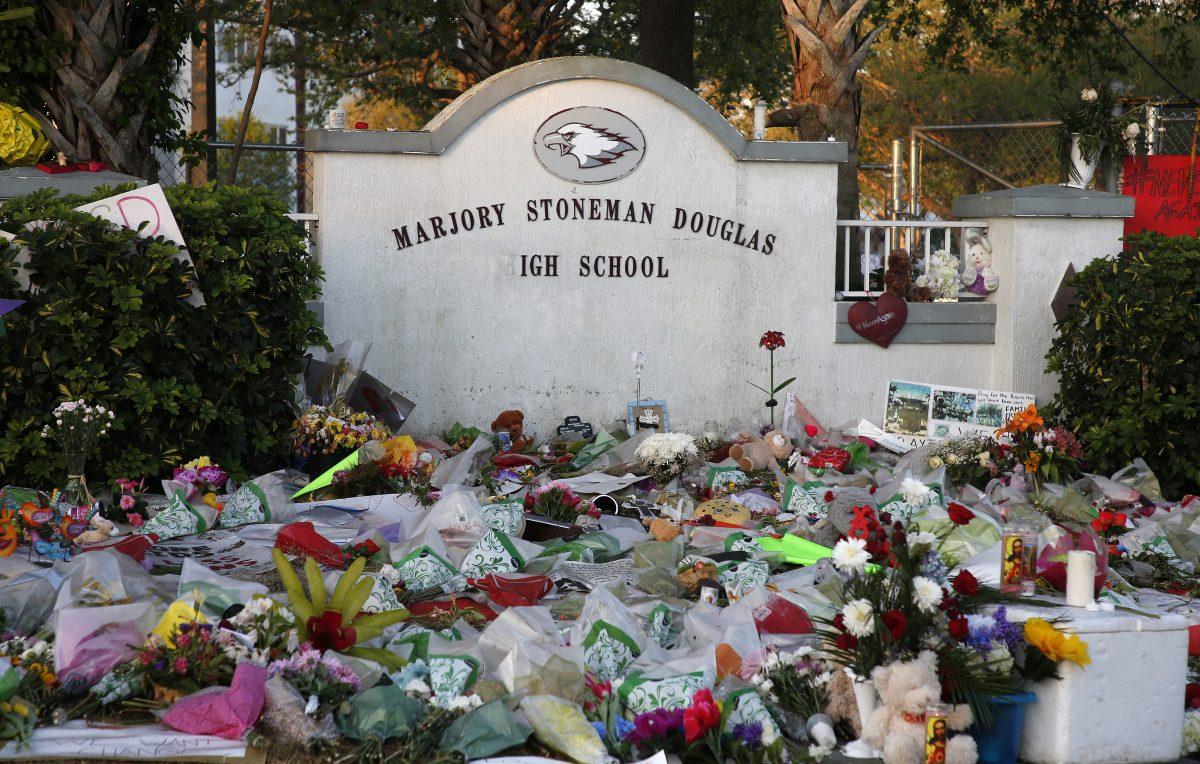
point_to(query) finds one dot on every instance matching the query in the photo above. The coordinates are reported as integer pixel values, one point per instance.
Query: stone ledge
(1043, 201)
(456, 118)
(933, 323)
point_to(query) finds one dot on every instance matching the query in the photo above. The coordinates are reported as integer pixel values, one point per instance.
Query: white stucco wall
(460, 332)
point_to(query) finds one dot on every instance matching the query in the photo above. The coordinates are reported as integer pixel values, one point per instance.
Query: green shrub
(1128, 352)
(110, 324)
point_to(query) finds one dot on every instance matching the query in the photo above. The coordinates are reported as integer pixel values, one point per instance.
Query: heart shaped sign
(879, 321)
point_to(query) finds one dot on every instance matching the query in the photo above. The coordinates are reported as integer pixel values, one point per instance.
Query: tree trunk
(259, 55)
(667, 38)
(827, 53)
(204, 94)
(498, 34)
(89, 118)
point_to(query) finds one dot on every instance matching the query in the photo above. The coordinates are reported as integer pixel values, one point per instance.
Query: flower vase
(1081, 170)
(867, 700)
(76, 492)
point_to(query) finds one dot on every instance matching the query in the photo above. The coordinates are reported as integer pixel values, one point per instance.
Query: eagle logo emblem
(589, 144)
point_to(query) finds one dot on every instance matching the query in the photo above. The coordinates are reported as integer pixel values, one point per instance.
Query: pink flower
(134, 519)
(128, 502)
(181, 665)
(183, 640)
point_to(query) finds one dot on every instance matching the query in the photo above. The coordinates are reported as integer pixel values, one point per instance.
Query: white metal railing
(872, 240)
(309, 221)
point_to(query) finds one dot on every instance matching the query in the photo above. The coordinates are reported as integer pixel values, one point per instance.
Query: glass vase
(76, 492)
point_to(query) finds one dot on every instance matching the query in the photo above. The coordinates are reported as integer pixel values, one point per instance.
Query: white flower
(916, 493)
(1132, 130)
(859, 618)
(927, 595)
(1088, 95)
(767, 685)
(984, 458)
(1049, 449)
(417, 686)
(921, 538)
(935, 462)
(822, 678)
(850, 555)
(771, 662)
(952, 459)
(999, 659)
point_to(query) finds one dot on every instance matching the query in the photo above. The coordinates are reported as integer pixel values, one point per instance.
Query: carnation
(916, 493)
(927, 595)
(665, 456)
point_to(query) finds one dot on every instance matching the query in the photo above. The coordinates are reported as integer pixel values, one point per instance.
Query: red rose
(966, 584)
(949, 604)
(959, 514)
(846, 642)
(895, 622)
(772, 340)
(959, 628)
(1191, 696)
(839, 622)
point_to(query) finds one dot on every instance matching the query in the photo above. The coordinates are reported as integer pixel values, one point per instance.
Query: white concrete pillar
(1035, 232)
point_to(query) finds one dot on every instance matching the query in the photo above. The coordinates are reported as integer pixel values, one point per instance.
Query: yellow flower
(20, 709)
(1054, 644)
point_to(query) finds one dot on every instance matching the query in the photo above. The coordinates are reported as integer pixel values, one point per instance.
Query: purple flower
(748, 734)
(185, 475)
(214, 476)
(655, 725)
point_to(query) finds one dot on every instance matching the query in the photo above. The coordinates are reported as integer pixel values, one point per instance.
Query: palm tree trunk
(498, 34)
(667, 38)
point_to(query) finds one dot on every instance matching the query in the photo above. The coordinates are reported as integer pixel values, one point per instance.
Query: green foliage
(110, 323)
(1129, 360)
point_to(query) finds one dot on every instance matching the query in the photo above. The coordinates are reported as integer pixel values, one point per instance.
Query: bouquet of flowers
(1045, 453)
(325, 681)
(941, 276)
(192, 660)
(202, 476)
(555, 501)
(795, 682)
(323, 430)
(261, 632)
(33, 659)
(128, 505)
(666, 455)
(77, 427)
(968, 459)
(1103, 133)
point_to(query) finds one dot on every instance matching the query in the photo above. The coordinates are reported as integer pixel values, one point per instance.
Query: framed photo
(647, 415)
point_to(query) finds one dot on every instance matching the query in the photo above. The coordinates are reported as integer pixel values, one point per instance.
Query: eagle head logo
(590, 146)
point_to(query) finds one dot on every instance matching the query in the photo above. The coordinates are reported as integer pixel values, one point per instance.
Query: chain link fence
(282, 169)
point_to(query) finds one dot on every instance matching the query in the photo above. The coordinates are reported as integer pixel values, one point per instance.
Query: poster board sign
(146, 211)
(1166, 194)
(919, 410)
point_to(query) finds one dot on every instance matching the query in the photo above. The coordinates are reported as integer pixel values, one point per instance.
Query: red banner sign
(1166, 193)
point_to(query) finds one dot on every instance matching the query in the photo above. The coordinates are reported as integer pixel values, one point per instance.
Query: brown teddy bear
(779, 443)
(898, 279)
(752, 455)
(513, 421)
(897, 726)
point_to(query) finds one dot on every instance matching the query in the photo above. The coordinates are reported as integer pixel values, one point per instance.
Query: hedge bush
(109, 323)
(1128, 352)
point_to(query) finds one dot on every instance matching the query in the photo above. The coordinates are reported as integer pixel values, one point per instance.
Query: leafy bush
(1129, 360)
(109, 323)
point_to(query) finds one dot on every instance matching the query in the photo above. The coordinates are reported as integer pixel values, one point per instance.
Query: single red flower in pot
(772, 340)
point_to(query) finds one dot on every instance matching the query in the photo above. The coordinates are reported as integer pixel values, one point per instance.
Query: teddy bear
(102, 530)
(897, 726)
(779, 443)
(898, 280)
(977, 274)
(752, 455)
(513, 421)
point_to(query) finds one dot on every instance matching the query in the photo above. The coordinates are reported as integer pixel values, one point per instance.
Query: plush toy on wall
(898, 280)
(898, 727)
(512, 421)
(977, 274)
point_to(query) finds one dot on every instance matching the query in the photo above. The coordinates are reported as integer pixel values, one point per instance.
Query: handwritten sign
(1166, 194)
(77, 740)
(146, 211)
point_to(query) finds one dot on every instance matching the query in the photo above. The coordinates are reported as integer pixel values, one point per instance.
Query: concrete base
(1126, 706)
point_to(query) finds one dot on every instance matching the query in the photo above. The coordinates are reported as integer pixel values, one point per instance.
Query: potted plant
(1094, 131)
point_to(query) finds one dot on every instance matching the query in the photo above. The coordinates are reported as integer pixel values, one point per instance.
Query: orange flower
(1024, 421)
(1033, 462)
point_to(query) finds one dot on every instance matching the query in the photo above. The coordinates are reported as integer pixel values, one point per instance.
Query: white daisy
(850, 555)
(859, 618)
(926, 594)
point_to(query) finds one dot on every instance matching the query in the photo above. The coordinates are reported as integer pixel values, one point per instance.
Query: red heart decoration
(811, 430)
(879, 321)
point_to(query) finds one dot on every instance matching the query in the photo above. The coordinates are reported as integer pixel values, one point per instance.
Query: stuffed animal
(897, 727)
(779, 443)
(728, 514)
(752, 455)
(513, 421)
(977, 274)
(663, 529)
(898, 279)
(840, 703)
(102, 530)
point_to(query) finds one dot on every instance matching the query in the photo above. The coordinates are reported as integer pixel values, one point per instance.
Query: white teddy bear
(978, 275)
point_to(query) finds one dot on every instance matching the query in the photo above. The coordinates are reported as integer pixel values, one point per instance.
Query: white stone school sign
(553, 219)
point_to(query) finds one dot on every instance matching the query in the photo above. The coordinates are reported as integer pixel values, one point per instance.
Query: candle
(760, 120)
(1081, 577)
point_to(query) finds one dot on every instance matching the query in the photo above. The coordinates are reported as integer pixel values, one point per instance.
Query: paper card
(918, 411)
(146, 742)
(146, 211)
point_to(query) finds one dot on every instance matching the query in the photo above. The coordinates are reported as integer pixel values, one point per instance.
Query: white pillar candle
(1081, 578)
(760, 120)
